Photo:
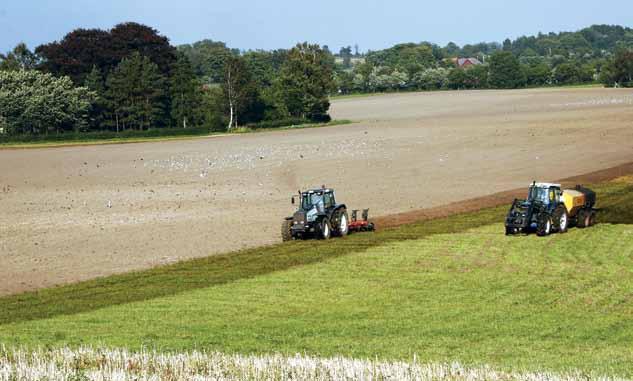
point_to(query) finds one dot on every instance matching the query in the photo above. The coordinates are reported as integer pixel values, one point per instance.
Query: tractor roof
(547, 185)
(319, 190)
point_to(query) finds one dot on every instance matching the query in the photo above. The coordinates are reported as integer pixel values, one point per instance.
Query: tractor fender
(336, 208)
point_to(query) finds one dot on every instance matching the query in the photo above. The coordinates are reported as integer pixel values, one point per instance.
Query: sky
(272, 24)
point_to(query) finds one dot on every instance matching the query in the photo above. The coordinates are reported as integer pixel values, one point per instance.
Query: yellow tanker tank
(574, 201)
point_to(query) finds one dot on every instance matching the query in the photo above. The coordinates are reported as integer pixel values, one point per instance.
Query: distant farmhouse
(466, 62)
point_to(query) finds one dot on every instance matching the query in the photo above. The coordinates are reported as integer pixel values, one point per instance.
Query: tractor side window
(328, 200)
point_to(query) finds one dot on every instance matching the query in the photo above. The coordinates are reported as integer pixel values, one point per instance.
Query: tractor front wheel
(544, 225)
(286, 230)
(325, 229)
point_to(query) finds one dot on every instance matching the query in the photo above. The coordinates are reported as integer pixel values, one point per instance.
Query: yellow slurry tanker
(549, 209)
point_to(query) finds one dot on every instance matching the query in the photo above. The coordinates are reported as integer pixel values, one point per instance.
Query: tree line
(595, 54)
(132, 78)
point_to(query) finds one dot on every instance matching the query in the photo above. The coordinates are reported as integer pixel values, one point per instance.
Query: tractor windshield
(538, 194)
(309, 200)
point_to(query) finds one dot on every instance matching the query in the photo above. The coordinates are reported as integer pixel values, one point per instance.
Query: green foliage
(619, 70)
(72, 137)
(346, 54)
(95, 82)
(264, 66)
(212, 109)
(571, 73)
(344, 81)
(33, 102)
(20, 58)
(447, 289)
(538, 74)
(185, 93)
(431, 79)
(135, 93)
(241, 95)
(505, 71)
(208, 58)
(409, 58)
(305, 81)
(457, 79)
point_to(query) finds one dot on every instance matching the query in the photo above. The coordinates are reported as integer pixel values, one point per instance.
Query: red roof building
(466, 62)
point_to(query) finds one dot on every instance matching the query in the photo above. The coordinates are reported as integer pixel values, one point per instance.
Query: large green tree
(20, 58)
(95, 82)
(184, 89)
(36, 103)
(208, 58)
(240, 92)
(619, 70)
(135, 94)
(305, 81)
(505, 71)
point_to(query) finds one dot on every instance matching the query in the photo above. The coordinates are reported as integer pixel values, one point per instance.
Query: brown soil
(75, 213)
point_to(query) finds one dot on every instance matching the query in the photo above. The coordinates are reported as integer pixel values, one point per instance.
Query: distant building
(467, 62)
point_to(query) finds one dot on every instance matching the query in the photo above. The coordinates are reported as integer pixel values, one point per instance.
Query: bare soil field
(75, 213)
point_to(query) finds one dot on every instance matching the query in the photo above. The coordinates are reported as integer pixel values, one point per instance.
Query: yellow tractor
(549, 209)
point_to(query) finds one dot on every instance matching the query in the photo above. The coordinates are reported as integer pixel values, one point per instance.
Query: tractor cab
(319, 199)
(546, 194)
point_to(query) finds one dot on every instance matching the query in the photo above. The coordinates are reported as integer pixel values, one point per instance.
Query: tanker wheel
(561, 219)
(342, 222)
(325, 229)
(584, 219)
(544, 225)
(286, 231)
(592, 218)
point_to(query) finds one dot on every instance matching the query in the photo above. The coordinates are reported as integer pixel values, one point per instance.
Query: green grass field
(449, 289)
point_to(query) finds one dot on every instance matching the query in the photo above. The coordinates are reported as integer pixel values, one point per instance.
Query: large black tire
(509, 231)
(340, 220)
(286, 232)
(584, 219)
(561, 219)
(325, 229)
(544, 225)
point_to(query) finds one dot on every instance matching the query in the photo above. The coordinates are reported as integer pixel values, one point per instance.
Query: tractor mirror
(292, 199)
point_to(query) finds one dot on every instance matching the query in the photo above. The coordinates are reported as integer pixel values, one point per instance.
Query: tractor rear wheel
(544, 225)
(342, 222)
(325, 229)
(286, 231)
(561, 219)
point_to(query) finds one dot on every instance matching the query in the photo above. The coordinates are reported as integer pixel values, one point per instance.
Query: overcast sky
(281, 23)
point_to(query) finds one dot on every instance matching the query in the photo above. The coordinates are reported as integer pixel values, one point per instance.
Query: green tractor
(318, 216)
